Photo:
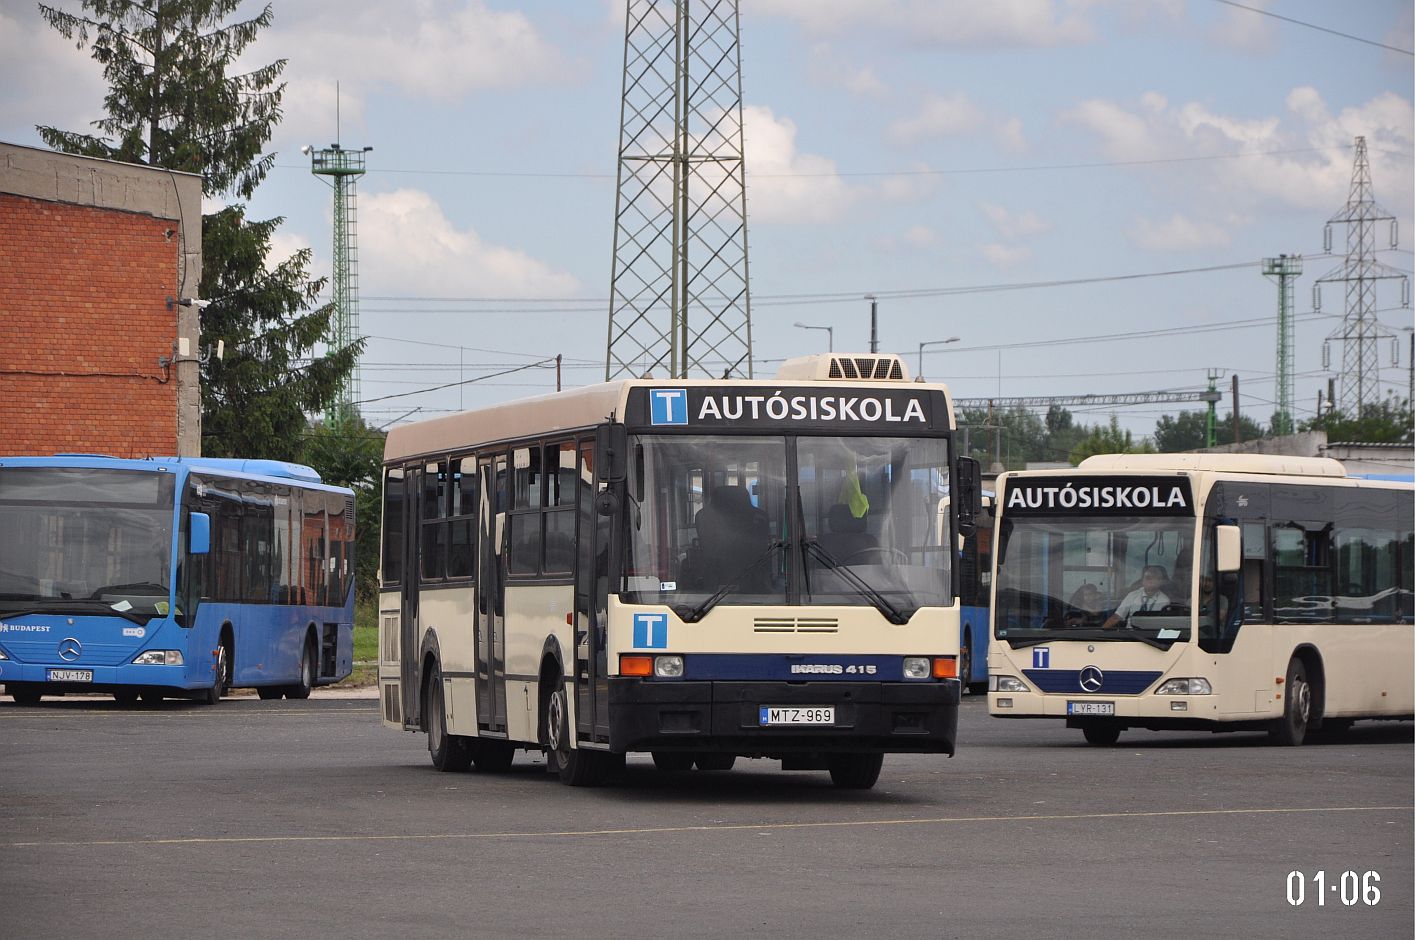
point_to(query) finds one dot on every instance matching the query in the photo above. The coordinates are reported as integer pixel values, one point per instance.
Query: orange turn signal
(636, 665)
(945, 667)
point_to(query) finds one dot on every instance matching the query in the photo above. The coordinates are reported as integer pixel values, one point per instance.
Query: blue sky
(892, 145)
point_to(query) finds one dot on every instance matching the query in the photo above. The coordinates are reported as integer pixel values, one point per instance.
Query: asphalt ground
(282, 819)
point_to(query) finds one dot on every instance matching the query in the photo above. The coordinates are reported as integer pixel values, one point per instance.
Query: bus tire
(673, 762)
(492, 756)
(450, 753)
(269, 693)
(302, 688)
(223, 674)
(715, 762)
(1100, 734)
(575, 766)
(1291, 729)
(23, 694)
(854, 771)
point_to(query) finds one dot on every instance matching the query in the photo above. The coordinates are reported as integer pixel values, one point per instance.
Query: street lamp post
(932, 342)
(874, 322)
(829, 330)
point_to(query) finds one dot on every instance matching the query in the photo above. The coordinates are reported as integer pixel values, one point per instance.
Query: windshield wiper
(696, 613)
(861, 586)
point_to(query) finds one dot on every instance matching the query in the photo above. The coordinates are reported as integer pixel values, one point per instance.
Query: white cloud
(784, 185)
(1245, 30)
(439, 50)
(47, 80)
(1006, 256)
(826, 69)
(943, 22)
(1300, 159)
(956, 115)
(939, 116)
(1009, 225)
(407, 244)
(1179, 233)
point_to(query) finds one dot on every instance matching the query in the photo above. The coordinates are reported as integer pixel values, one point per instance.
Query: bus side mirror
(612, 446)
(1230, 548)
(198, 533)
(967, 484)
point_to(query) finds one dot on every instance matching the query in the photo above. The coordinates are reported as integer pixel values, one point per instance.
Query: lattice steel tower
(1285, 268)
(1360, 328)
(679, 300)
(343, 167)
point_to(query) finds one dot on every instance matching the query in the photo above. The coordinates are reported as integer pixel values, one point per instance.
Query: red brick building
(97, 352)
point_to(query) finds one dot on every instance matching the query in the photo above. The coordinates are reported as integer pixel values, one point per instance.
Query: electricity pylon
(1360, 328)
(679, 300)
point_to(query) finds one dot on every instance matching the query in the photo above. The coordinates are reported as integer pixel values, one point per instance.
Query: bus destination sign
(777, 407)
(1099, 496)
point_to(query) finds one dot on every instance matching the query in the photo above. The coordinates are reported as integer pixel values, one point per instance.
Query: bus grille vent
(795, 625)
(391, 652)
(866, 368)
(392, 703)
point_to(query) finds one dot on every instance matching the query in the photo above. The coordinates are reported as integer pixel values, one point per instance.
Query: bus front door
(409, 664)
(491, 597)
(591, 608)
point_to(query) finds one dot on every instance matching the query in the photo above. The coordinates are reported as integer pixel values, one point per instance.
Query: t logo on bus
(650, 631)
(1041, 657)
(668, 406)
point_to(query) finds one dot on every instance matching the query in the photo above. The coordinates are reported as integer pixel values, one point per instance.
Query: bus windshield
(1110, 578)
(85, 541)
(787, 520)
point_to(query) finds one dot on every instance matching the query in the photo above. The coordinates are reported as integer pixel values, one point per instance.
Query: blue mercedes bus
(172, 577)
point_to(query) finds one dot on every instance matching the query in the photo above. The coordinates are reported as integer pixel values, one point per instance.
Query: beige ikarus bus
(1218, 592)
(700, 570)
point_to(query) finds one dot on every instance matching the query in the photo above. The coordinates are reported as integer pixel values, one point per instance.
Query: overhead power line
(1323, 29)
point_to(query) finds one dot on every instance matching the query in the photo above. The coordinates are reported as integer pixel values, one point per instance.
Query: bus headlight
(159, 658)
(668, 667)
(1185, 687)
(1006, 684)
(917, 667)
(2, 655)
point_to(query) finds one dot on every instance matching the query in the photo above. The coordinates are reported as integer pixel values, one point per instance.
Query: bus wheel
(492, 756)
(854, 771)
(715, 761)
(576, 766)
(126, 696)
(1291, 728)
(223, 676)
(153, 698)
(23, 694)
(269, 693)
(673, 762)
(302, 688)
(1101, 735)
(449, 752)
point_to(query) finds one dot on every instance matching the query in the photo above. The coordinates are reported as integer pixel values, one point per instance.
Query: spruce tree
(173, 102)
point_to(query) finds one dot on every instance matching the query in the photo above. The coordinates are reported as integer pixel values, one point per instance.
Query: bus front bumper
(725, 716)
(38, 677)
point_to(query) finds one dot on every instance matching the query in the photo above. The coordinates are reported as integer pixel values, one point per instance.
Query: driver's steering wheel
(897, 555)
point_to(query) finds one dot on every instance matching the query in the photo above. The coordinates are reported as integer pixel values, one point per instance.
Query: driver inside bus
(1147, 597)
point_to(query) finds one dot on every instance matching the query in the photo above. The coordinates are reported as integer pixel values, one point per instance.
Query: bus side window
(1255, 552)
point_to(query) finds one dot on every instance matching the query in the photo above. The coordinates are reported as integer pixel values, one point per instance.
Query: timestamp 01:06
(1350, 887)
